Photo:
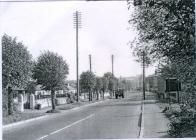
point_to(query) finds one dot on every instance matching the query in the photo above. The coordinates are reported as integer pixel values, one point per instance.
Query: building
(136, 82)
(165, 88)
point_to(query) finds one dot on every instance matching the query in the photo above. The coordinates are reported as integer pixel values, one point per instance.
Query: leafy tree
(112, 84)
(111, 81)
(31, 85)
(105, 85)
(167, 31)
(16, 67)
(108, 75)
(87, 82)
(98, 86)
(50, 71)
(166, 27)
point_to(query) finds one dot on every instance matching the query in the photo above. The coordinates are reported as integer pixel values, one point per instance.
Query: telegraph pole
(112, 70)
(77, 25)
(143, 59)
(112, 65)
(90, 62)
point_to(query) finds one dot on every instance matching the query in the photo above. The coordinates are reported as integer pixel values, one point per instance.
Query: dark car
(119, 93)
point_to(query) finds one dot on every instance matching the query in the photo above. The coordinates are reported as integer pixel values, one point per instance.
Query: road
(114, 118)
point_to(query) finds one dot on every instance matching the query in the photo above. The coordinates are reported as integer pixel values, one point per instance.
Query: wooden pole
(144, 75)
(90, 63)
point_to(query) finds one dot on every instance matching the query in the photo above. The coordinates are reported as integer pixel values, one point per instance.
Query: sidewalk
(155, 122)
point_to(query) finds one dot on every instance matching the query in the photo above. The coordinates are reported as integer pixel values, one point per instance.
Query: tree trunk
(97, 95)
(53, 99)
(103, 94)
(89, 95)
(10, 101)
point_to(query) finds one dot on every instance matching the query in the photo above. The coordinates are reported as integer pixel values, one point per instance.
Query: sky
(49, 26)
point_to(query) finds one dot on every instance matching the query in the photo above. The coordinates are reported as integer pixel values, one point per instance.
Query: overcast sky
(49, 26)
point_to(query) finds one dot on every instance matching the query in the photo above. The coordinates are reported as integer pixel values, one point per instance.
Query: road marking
(41, 138)
(70, 125)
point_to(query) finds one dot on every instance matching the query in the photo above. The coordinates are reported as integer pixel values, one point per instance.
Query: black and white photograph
(97, 69)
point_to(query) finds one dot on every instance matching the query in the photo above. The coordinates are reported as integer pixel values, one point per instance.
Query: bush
(69, 101)
(71, 98)
(182, 124)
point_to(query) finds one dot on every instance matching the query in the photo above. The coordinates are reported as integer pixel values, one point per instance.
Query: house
(41, 93)
(71, 86)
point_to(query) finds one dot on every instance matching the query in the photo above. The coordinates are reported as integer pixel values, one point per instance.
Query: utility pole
(112, 71)
(77, 25)
(90, 62)
(90, 94)
(143, 59)
(112, 65)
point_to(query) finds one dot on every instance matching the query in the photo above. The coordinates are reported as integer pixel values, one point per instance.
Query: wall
(47, 101)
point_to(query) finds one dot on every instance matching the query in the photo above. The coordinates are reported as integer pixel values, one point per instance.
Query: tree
(111, 81)
(112, 84)
(108, 75)
(51, 71)
(105, 85)
(31, 87)
(98, 86)
(167, 32)
(31, 84)
(87, 82)
(167, 28)
(16, 67)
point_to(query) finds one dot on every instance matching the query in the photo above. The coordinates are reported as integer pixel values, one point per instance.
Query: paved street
(115, 118)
